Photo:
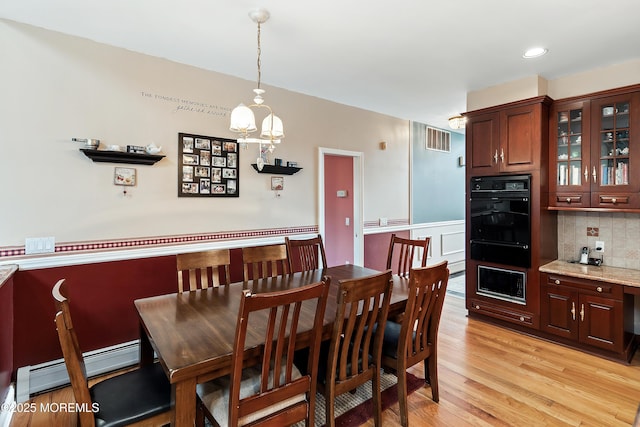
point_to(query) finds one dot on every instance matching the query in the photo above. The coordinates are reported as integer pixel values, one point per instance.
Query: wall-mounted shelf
(277, 170)
(107, 156)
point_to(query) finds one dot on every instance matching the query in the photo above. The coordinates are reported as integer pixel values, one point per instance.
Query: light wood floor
(491, 377)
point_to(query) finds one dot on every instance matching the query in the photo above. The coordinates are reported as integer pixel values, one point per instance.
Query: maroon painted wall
(101, 297)
(6, 337)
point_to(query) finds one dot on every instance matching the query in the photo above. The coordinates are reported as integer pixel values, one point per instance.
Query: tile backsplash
(620, 233)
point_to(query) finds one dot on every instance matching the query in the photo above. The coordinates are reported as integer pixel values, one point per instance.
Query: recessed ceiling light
(534, 52)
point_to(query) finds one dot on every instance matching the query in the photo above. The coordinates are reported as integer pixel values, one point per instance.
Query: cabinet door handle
(594, 175)
(582, 312)
(557, 282)
(495, 156)
(573, 310)
(502, 155)
(586, 173)
(599, 289)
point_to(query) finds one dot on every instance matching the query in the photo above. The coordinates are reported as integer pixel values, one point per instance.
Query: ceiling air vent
(438, 140)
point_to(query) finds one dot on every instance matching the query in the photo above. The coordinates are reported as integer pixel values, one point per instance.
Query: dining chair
(305, 254)
(141, 397)
(272, 392)
(260, 262)
(206, 268)
(416, 338)
(362, 305)
(404, 256)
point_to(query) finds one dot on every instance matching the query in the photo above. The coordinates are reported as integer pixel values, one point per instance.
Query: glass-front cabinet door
(615, 174)
(614, 144)
(570, 152)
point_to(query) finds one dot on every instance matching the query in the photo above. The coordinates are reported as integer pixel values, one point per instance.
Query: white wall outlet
(383, 222)
(39, 245)
(599, 246)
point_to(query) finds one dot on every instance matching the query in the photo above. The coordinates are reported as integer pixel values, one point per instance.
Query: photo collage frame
(208, 166)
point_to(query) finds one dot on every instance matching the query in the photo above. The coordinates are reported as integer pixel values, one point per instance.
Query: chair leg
(377, 398)
(432, 362)
(402, 397)
(329, 402)
(199, 414)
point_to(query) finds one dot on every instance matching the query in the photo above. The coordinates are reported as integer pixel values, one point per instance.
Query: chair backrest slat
(427, 290)
(72, 353)
(203, 269)
(305, 254)
(404, 252)
(280, 310)
(363, 306)
(260, 262)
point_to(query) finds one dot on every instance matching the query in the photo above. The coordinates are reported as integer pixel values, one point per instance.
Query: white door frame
(358, 185)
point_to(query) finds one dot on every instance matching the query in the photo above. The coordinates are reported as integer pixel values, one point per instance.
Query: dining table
(192, 333)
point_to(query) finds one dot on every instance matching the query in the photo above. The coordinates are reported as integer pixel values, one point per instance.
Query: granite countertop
(621, 276)
(6, 271)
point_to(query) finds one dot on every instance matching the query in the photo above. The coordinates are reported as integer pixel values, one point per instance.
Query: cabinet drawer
(500, 312)
(615, 200)
(572, 200)
(601, 288)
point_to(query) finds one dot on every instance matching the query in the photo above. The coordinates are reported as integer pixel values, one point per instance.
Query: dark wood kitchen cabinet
(595, 151)
(508, 138)
(588, 314)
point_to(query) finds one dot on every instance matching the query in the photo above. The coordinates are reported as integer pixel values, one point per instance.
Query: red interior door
(338, 209)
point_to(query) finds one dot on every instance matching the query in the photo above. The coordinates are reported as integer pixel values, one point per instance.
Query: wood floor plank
(489, 377)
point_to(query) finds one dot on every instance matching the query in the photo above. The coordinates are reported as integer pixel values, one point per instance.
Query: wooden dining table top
(193, 332)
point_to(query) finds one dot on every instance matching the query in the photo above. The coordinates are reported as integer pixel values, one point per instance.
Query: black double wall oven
(500, 210)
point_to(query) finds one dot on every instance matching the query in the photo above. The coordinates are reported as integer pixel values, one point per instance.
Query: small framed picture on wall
(277, 183)
(124, 176)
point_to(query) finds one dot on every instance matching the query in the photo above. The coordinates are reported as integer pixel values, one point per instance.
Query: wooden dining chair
(305, 254)
(362, 304)
(404, 251)
(416, 339)
(273, 392)
(260, 262)
(141, 397)
(199, 270)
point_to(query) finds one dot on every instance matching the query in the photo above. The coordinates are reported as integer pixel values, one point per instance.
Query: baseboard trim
(34, 379)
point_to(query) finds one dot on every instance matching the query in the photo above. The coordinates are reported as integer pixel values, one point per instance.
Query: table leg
(183, 397)
(146, 350)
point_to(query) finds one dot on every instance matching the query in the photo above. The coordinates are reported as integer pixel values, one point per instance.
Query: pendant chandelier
(457, 122)
(243, 120)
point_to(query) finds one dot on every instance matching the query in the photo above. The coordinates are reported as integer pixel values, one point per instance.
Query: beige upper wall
(590, 81)
(56, 87)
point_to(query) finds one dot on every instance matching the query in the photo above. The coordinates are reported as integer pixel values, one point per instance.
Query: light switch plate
(39, 245)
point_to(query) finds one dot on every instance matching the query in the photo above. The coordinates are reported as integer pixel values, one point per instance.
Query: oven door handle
(509, 245)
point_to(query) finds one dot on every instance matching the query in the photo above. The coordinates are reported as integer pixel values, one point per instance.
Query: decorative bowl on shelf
(89, 143)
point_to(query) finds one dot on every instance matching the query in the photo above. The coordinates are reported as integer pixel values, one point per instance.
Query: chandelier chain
(259, 52)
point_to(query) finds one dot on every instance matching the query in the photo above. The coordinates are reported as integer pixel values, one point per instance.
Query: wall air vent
(438, 140)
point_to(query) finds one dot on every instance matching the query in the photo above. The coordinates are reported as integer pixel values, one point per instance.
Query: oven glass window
(502, 221)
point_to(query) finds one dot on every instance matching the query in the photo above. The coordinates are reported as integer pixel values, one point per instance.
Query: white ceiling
(411, 59)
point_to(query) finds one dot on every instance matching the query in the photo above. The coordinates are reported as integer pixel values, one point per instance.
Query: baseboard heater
(34, 379)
